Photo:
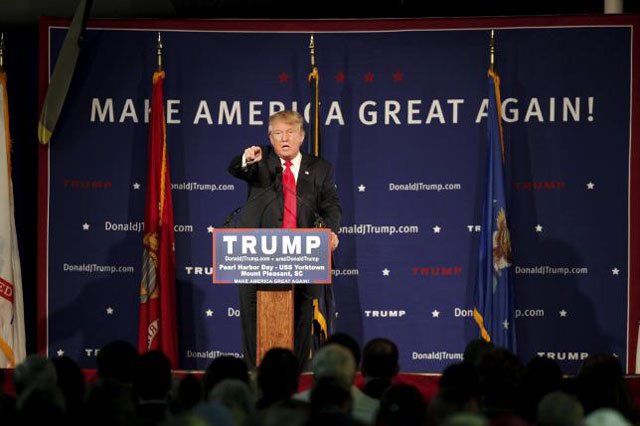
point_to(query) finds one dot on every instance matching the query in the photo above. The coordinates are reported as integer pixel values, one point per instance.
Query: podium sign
(271, 256)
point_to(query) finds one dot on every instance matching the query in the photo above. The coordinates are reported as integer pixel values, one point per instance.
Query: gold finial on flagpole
(1, 51)
(312, 51)
(159, 51)
(492, 50)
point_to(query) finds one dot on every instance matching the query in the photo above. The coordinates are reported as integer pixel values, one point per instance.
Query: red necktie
(290, 203)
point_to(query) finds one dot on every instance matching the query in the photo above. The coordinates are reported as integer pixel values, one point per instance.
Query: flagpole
(312, 58)
(157, 327)
(492, 50)
(312, 52)
(313, 145)
(1, 52)
(159, 51)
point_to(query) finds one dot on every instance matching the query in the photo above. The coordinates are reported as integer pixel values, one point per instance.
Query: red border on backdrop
(43, 195)
(347, 25)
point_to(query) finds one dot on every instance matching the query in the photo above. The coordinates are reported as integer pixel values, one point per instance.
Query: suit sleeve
(330, 208)
(236, 170)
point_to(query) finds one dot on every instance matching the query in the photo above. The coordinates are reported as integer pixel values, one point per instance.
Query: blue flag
(324, 306)
(493, 310)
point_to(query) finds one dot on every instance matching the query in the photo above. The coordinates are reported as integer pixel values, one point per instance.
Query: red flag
(157, 328)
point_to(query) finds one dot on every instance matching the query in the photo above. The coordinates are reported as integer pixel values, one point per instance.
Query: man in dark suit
(287, 189)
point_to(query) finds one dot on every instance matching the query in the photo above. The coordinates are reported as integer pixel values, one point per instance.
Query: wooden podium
(274, 320)
(283, 257)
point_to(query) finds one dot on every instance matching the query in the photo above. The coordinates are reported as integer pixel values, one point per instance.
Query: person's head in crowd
(330, 402)
(600, 384)
(116, 360)
(224, 367)
(380, 359)
(236, 396)
(277, 376)
(459, 390)
(508, 420)
(190, 419)
(152, 376)
(151, 386)
(287, 412)
(109, 403)
(601, 366)
(460, 375)
(500, 375)
(334, 361)
(465, 419)
(606, 417)
(402, 405)
(188, 394)
(379, 366)
(213, 414)
(345, 340)
(41, 404)
(35, 370)
(71, 383)
(559, 409)
(475, 349)
(449, 402)
(542, 375)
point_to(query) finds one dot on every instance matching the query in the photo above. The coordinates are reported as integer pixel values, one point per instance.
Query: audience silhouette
(491, 386)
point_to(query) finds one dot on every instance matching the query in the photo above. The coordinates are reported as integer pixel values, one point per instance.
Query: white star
(436, 229)
(362, 188)
(538, 228)
(85, 226)
(60, 352)
(563, 313)
(109, 310)
(136, 185)
(435, 313)
(385, 272)
(209, 312)
(590, 185)
(505, 324)
(615, 271)
(210, 229)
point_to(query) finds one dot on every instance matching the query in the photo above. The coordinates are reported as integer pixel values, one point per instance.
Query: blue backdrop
(404, 124)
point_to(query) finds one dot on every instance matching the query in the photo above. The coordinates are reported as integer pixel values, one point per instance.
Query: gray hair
(34, 371)
(336, 362)
(234, 394)
(559, 409)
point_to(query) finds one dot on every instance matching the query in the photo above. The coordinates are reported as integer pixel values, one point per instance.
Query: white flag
(12, 339)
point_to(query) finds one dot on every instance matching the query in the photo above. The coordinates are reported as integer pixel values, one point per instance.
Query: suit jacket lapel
(304, 184)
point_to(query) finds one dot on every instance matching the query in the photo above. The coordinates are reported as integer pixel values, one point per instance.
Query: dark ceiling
(28, 11)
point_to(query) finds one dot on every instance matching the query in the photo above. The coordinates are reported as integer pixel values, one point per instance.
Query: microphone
(276, 186)
(229, 218)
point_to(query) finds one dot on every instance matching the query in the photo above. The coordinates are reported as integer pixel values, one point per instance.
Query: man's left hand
(333, 241)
